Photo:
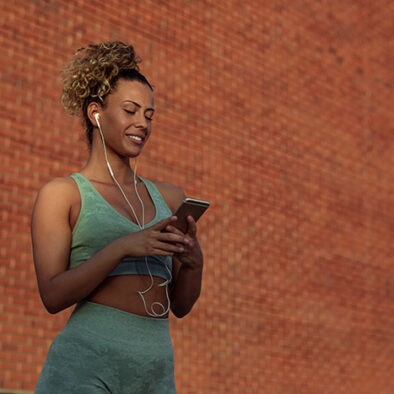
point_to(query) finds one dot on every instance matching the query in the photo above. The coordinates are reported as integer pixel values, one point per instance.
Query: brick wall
(279, 113)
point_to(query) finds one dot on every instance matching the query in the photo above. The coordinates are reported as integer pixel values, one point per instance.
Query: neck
(96, 166)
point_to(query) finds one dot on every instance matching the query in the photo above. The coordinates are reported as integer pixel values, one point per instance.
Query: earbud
(96, 116)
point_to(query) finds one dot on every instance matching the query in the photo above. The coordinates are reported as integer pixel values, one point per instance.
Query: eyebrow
(138, 105)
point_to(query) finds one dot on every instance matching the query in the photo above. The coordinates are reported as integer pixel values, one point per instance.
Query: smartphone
(189, 206)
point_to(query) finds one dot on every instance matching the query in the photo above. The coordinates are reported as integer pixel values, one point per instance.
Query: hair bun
(90, 71)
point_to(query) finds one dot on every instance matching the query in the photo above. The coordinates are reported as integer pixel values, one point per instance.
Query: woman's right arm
(61, 287)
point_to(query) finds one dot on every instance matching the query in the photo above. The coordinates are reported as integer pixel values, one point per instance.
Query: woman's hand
(186, 286)
(152, 241)
(191, 256)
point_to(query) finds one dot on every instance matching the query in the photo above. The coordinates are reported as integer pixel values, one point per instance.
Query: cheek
(149, 132)
(114, 121)
(121, 123)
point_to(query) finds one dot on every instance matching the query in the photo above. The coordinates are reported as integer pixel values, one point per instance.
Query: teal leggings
(105, 350)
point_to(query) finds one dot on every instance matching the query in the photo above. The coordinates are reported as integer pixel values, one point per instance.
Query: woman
(102, 239)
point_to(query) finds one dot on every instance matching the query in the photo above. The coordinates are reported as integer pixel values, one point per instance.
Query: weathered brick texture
(278, 112)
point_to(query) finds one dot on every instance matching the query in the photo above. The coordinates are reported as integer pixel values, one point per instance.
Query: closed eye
(133, 112)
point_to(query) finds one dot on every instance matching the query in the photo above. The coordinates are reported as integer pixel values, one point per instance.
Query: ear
(93, 108)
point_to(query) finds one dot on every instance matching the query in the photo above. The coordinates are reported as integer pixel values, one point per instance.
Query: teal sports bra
(99, 224)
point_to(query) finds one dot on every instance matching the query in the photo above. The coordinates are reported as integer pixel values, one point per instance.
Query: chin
(133, 153)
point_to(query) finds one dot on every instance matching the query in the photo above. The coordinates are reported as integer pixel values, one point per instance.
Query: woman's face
(126, 118)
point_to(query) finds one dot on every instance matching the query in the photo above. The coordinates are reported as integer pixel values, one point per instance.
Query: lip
(135, 141)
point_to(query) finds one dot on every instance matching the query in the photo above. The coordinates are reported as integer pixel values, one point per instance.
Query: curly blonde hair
(93, 72)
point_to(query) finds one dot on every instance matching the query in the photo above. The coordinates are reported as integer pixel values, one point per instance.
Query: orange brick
(280, 114)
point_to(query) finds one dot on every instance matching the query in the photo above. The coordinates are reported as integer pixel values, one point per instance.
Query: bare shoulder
(173, 195)
(62, 186)
(60, 192)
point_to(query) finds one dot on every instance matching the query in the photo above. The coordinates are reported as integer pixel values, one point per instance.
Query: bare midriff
(121, 292)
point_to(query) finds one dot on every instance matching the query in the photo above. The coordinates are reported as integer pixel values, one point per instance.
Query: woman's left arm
(188, 265)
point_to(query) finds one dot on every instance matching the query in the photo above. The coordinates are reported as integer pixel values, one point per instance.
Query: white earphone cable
(165, 283)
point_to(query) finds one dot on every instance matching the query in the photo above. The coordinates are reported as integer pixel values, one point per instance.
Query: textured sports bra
(99, 224)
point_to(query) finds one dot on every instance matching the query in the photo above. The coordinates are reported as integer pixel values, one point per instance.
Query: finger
(159, 252)
(191, 228)
(174, 230)
(188, 240)
(169, 247)
(171, 237)
(163, 223)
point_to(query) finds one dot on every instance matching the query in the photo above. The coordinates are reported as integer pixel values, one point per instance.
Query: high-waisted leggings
(106, 350)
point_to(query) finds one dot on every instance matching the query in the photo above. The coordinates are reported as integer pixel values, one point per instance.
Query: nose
(141, 121)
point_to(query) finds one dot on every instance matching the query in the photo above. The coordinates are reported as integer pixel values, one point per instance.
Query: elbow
(53, 298)
(179, 314)
(52, 309)
(52, 304)
(180, 311)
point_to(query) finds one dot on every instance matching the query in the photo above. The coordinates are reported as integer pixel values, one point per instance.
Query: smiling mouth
(135, 138)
